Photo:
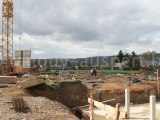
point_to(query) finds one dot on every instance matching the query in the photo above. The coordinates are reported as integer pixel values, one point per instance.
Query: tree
(131, 60)
(69, 64)
(127, 58)
(134, 54)
(135, 60)
(149, 55)
(120, 56)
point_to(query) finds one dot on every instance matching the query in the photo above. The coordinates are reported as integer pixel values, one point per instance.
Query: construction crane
(7, 36)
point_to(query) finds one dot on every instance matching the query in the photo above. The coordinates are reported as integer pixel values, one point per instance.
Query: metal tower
(7, 35)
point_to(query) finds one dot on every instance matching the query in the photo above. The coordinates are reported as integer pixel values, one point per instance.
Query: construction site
(29, 93)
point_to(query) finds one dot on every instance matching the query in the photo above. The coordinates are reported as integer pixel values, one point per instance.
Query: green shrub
(69, 82)
(51, 85)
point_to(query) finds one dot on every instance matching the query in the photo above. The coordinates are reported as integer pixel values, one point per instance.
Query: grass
(100, 71)
(70, 81)
(51, 85)
(119, 71)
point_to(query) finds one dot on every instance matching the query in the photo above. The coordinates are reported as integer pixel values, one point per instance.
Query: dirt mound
(120, 87)
(117, 79)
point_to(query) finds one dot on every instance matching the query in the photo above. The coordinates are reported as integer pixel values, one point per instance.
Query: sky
(84, 28)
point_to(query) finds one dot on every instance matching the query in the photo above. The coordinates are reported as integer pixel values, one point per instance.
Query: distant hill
(83, 62)
(70, 62)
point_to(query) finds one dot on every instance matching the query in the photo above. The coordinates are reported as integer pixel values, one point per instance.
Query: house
(120, 65)
(149, 63)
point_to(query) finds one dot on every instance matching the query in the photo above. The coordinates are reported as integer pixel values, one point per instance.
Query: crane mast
(7, 36)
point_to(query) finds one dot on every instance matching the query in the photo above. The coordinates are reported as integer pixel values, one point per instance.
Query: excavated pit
(76, 94)
(69, 94)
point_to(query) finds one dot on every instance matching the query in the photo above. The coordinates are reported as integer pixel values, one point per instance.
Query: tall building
(23, 58)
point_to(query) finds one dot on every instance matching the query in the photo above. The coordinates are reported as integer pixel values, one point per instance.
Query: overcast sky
(82, 28)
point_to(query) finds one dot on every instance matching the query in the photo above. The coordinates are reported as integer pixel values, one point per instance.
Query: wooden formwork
(118, 115)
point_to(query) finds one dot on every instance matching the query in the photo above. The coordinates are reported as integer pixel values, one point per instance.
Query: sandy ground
(142, 111)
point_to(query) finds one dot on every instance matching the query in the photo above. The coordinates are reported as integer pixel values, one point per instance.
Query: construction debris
(19, 104)
(8, 79)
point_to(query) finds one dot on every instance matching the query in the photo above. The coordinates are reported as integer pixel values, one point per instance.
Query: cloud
(77, 28)
(38, 52)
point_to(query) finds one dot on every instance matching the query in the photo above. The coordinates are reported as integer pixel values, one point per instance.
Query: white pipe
(152, 107)
(127, 102)
(157, 83)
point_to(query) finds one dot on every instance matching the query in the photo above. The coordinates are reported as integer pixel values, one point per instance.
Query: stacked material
(8, 79)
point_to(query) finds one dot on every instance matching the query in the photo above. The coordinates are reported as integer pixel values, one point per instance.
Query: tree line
(130, 59)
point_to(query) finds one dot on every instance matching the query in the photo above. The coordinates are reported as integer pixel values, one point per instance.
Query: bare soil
(73, 95)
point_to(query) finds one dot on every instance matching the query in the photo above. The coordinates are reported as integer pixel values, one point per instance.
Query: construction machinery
(7, 36)
(10, 66)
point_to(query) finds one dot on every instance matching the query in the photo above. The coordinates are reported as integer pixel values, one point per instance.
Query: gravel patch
(40, 108)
